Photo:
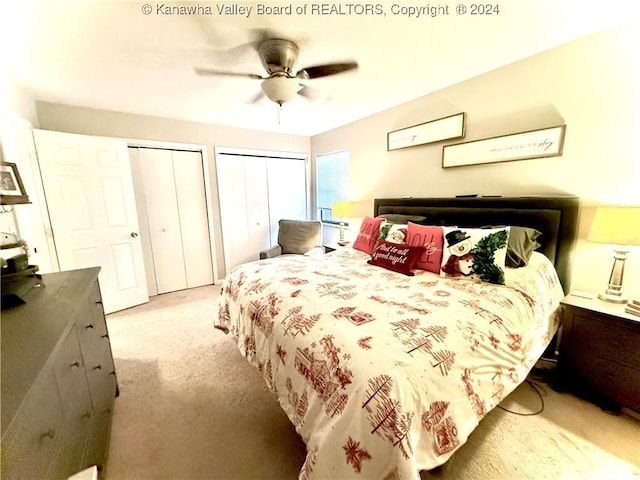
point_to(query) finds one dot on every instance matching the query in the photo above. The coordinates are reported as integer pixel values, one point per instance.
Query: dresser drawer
(68, 366)
(615, 381)
(101, 375)
(605, 339)
(86, 325)
(75, 435)
(98, 447)
(30, 443)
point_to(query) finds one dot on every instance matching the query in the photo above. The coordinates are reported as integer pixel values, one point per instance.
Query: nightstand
(331, 247)
(600, 353)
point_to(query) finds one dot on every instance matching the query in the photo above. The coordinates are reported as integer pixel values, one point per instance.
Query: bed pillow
(368, 234)
(475, 252)
(432, 239)
(393, 232)
(522, 243)
(401, 218)
(398, 257)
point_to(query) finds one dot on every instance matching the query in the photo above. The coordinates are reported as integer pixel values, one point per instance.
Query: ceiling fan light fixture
(280, 89)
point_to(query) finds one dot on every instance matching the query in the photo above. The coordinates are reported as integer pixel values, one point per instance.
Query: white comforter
(384, 375)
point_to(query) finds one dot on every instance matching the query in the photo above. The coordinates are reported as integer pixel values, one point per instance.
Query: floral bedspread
(382, 374)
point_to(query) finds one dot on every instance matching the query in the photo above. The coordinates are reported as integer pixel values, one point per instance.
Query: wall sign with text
(547, 142)
(429, 132)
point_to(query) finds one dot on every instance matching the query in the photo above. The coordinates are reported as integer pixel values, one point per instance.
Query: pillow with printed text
(398, 257)
(432, 239)
(368, 234)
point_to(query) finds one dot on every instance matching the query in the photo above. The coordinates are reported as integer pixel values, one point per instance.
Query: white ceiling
(110, 55)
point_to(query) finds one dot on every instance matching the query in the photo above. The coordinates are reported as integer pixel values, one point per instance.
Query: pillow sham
(368, 234)
(401, 218)
(522, 243)
(398, 257)
(475, 252)
(393, 232)
(432, 239)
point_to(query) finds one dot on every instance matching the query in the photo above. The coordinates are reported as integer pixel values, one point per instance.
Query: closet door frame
(268, 153)
(202, 150)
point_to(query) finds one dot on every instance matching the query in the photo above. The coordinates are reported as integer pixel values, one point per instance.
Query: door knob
(134, 234)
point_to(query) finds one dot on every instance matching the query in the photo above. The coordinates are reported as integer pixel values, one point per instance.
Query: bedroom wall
(591, 85)
(17, 116)
(89, 121)
(16, 100)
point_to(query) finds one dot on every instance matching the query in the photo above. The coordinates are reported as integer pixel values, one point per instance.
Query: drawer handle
(86, 414)
(75, 364)
(98, 367)
(106, 335)
(90, 326)
(48, 434)
(98, 302)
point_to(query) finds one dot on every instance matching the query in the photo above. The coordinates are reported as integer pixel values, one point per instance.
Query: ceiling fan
(281, 84)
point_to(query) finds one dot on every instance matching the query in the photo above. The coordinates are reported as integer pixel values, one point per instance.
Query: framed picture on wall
(428, 132)
(11, 187)
(546, 142)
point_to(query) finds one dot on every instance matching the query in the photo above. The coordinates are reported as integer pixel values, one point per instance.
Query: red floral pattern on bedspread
(381, 372)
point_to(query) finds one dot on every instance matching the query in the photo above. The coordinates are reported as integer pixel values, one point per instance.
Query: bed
(385, 371)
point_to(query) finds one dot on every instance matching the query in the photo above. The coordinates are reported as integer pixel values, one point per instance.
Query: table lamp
(619, 226)
(341, 210)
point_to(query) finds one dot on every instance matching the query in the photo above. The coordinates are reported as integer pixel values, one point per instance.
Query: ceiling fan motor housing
(278, 56)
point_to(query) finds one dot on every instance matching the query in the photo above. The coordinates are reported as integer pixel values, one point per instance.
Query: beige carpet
(191, 407)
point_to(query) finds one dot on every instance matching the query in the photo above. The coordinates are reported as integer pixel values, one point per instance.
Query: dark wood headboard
(555, 217)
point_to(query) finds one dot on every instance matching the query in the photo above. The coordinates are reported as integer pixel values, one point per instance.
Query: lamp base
(613, 293)
(608, 297)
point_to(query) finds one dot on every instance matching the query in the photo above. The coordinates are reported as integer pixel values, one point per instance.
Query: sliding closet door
(286, 180)
(172, 202)
(161, 202)
(257, 207)
(194, 227)
(244, 208)
(256, 191)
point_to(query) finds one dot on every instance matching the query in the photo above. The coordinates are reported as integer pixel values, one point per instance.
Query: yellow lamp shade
(616, 225)
(341, 209)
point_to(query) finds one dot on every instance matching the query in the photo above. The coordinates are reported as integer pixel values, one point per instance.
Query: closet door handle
(134, 234)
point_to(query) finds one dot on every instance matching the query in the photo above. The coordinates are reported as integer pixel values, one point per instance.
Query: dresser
(600, 353)
(58, 379)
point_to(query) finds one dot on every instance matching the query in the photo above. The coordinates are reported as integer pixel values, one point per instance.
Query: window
(332, 182)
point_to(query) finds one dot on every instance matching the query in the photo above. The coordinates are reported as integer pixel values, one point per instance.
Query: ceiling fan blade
(312, 94)
(256, 36)
(317, 71)
(212, 71)
(257, 97)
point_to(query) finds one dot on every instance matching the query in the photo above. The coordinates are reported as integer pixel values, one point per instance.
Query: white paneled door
(244, 208)
(255, 193)
(286, 179)
(173, 205)
(91, 202)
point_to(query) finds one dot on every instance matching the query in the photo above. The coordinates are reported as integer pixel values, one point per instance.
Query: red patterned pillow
(398, 257)
(432, 239)
(369, 231)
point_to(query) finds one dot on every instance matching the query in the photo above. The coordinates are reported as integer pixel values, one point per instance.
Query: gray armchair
(298, 237)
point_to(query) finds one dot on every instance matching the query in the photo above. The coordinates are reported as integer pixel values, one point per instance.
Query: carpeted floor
(191, 407)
